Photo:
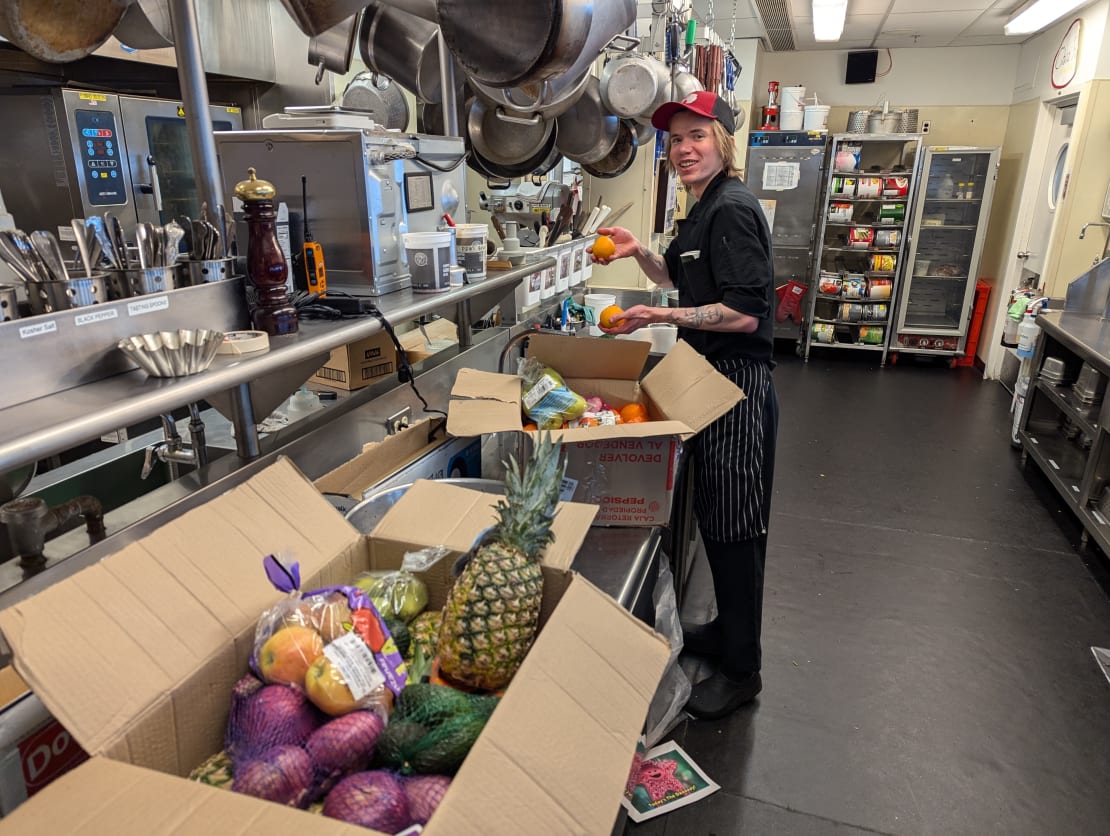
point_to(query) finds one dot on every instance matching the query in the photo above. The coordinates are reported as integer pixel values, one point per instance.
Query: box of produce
(624, 429)
(151, 659)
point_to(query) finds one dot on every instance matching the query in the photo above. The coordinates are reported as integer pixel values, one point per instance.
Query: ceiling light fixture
(828, 19)
(1035, 16)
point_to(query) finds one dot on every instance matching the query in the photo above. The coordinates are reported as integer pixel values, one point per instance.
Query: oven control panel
(100, 157)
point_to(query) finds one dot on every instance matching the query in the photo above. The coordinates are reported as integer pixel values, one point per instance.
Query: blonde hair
(724, 143)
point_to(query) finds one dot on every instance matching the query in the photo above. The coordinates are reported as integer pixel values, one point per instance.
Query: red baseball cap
(703, 103)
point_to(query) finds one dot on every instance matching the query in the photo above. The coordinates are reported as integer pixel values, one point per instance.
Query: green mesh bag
(432, 729)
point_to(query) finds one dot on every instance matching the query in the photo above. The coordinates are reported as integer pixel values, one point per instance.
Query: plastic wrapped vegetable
(401, 594)
(546, 398)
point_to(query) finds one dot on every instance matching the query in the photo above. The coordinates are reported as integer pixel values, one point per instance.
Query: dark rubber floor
(928, 619)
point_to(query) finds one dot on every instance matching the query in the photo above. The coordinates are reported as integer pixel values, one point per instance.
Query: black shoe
(703, 639)
(718, 696)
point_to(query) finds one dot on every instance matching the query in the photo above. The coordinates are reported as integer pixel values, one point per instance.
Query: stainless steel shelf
(36, 429)
(1086, 416)
(854, 346)
(1061, 462)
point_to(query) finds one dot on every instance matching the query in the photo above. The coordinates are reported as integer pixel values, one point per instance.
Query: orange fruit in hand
(633, 413)
(604, 247)
(605, 318)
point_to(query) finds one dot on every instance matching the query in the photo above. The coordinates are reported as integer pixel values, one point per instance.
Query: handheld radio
(313, 254)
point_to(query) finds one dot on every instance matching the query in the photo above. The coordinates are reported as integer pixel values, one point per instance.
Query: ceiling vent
(776, 20)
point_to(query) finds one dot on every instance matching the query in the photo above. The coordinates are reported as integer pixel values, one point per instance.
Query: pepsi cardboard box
(628, 470)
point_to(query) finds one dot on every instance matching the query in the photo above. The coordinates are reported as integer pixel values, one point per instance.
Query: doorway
(1045, 185)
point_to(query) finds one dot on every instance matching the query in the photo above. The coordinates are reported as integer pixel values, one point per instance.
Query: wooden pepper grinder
(266, 265)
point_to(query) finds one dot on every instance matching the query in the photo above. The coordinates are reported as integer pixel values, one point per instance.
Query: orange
(633, 413)
(605, 318)
(530, 427)
(604, 247)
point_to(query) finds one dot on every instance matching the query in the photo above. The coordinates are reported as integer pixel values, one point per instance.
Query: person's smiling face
(694, 153)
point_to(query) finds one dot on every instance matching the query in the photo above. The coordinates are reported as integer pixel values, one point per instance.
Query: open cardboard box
(136, 656)
(628, 469)
(379, 460)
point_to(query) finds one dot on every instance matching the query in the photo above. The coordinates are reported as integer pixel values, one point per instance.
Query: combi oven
(69, 153)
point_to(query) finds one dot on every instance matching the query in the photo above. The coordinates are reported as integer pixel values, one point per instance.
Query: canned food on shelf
(871, 334)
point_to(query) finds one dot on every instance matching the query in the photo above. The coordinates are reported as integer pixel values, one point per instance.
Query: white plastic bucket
(597, 302)
(429, 258)
(815, 118)
(470, 249)
(791, 113)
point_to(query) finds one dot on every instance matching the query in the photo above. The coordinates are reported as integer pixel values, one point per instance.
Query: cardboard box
(34, 748)
(137, 656)
(442, 333)
(628, 469)
(359, 364)
(379, 460)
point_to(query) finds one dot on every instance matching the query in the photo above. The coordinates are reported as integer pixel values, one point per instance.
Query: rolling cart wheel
(893, 357)
(952, 363)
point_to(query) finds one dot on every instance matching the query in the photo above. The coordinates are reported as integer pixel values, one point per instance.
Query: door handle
(1024, 254)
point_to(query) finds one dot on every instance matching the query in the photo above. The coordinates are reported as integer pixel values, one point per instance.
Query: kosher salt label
(354, 660)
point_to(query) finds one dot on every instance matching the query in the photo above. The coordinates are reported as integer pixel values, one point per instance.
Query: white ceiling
(870, 24)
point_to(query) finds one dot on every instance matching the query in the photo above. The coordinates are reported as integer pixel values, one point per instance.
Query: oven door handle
(153, 187)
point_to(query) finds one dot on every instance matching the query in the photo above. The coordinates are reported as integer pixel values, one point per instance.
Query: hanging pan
(617, 161)
(60, 31)
(588, 132)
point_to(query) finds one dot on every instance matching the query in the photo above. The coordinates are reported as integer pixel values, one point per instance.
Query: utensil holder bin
(210, 270)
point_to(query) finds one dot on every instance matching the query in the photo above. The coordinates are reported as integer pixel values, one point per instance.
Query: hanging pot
(314, 17)
(332, 50)
(505, 142)
(588, 132)
(403, 47)
(60, 31)
(506, 43)
(146, 25)
(541, 162)
(675, 90)
(617, 161)
(549, 98)
(645, 134)
(632, 85)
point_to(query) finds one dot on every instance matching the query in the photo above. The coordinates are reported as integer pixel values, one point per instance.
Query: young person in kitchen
(720, 262)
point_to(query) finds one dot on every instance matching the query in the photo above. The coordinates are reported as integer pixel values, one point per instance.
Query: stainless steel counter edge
(1086, 334)
(45, 426)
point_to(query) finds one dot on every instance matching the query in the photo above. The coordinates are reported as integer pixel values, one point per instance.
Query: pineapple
(493, 609)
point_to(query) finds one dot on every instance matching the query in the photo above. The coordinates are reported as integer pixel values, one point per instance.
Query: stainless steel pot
(617, 161)
(403, 47)
(314, 17)
(634, 84)
(675, 90)
(543, 161)
(645, 134)
(64, 294)
(9, 303)
(505, 142)
(507, 43)
(548, 98)
(146, 25)
(587, 132)
(60, 31)
(333, 48)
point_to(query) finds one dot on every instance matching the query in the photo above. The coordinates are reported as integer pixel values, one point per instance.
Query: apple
(331, 617)
(289, 653)
(326, 688)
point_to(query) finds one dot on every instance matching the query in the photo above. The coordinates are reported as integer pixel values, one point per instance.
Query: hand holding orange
(605, 318)
(604, 248)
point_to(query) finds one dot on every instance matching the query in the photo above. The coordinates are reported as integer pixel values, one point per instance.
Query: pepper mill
(266, 265)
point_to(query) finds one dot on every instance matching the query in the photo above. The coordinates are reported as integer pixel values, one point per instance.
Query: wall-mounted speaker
(861, 67)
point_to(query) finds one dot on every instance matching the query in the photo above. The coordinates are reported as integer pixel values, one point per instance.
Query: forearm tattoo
(705, 316)
(654, 259)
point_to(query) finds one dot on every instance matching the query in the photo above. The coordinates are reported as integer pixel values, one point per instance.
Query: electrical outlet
(925, 126)
(398, 421)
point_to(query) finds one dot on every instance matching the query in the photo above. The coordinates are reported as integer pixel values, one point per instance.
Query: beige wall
(1012, 168)
(1089, 173)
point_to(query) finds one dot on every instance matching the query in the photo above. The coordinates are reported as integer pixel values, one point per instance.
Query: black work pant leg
(738, 587)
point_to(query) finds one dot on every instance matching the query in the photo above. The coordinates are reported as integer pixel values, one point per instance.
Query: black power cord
(404, 370)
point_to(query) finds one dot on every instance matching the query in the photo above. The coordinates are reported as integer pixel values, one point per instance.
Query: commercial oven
(77, 153)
